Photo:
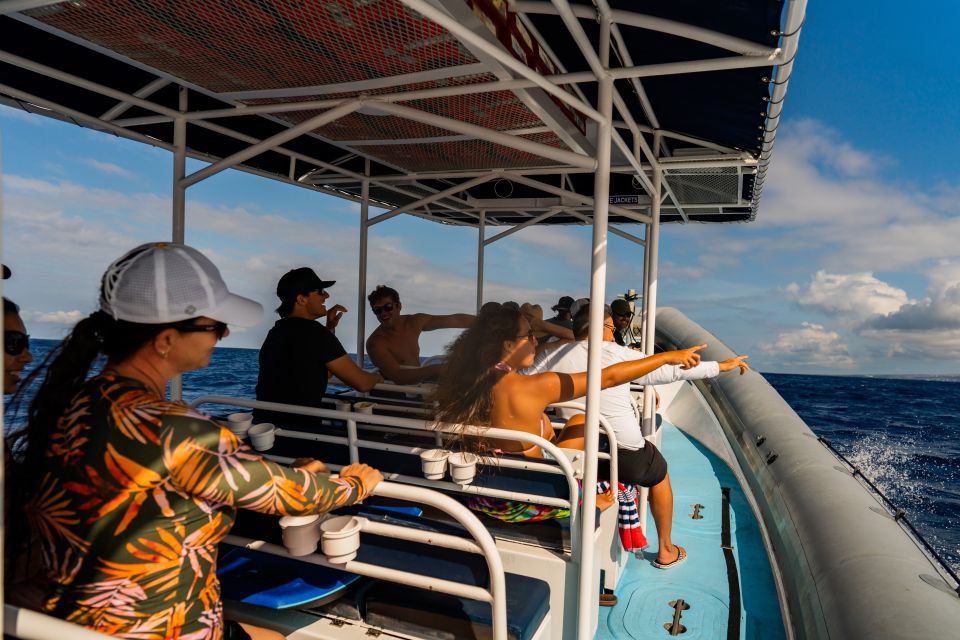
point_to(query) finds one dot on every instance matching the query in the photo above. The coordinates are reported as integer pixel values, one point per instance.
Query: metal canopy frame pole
(650, 326)
(587, 595)
(362, 274)
(346, 107)
(501, 55)
(646, 290)
(179, 201)
(481, 246)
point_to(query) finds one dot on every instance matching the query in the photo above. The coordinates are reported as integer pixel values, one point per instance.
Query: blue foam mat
(276, 582)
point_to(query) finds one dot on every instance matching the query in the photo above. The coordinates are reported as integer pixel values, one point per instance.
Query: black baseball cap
(300, 282)
(620, 307)
(565, 303)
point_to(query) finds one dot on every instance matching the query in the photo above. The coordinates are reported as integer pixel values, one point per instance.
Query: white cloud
(810, 346)
(928, 328)
(78, 230)
(55, 317)
(851, 297)
(826, 201)
(107, 167)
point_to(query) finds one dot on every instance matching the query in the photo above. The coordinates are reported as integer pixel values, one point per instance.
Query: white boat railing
(563, 464)
(27, 624)
(483, 544)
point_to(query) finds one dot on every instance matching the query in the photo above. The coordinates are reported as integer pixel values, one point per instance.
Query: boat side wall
(848, 569)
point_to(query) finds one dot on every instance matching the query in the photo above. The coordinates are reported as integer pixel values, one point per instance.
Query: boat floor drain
(674, 627)
(696, 511)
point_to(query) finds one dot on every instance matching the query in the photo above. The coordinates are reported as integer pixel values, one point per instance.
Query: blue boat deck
(645, 592)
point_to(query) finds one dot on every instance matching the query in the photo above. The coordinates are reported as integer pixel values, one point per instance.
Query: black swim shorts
(644, 467)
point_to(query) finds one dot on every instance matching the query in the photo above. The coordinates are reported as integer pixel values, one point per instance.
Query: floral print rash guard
(136, 494)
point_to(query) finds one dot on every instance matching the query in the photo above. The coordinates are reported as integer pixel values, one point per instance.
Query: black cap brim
(6, 272)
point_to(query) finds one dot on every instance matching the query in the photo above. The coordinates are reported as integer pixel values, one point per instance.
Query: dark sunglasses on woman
(15, 342)
(219, 328)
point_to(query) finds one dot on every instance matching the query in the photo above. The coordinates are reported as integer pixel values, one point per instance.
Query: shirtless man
(394, 346)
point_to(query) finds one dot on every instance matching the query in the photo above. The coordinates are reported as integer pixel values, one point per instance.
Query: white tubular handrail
(350, 418)
(611, 438)
(420, 390)
(483, 545)
(33, 625)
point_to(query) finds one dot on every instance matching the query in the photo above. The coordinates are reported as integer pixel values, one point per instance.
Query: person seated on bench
(127, 493)
(480, 385)
(640, 463)
(394, 346)
(299, 354)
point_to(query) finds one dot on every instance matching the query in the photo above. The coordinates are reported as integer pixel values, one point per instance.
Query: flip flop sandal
(608, 600)
(681, 557)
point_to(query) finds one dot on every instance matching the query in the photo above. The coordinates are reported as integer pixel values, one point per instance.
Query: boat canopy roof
(453, 111)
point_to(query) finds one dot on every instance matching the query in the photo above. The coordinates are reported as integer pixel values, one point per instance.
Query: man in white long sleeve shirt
(640, 461)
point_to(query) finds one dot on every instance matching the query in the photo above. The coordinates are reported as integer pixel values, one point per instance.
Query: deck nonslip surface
(645, 593)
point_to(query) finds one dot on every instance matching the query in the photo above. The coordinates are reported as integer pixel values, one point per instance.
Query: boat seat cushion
(415, 611)
(421, 612)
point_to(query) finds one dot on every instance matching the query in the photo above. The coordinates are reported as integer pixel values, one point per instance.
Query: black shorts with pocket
(644, 467)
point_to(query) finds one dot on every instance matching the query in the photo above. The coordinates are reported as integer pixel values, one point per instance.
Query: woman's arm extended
(560, 387)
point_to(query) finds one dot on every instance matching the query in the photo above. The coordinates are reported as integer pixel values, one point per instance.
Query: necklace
(139, 376)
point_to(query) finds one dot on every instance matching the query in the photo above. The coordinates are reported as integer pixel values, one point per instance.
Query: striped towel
(628, 515)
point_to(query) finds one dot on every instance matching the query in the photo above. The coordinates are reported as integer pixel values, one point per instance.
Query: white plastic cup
(262, 435)
(300, 534)
(434, 463)
(342, 405)
(363, 407)
(463, 467)
(239, 423)
(340, 538)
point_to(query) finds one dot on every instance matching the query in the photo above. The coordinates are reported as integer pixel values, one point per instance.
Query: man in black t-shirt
(299, 354)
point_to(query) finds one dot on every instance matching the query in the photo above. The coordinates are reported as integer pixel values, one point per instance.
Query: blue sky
(852, 266)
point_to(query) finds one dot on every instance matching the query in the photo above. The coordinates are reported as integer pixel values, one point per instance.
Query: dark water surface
(904, 434)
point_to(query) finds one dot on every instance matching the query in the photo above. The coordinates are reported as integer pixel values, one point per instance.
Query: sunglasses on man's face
(220, 328)
(15, 342)
(623, 315)
(384, 308)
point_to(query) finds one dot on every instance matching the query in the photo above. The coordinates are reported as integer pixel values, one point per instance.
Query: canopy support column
(650, 326)
(179, 200)
(481, 228)
(587, 593)
(645, 309)
(362, 273)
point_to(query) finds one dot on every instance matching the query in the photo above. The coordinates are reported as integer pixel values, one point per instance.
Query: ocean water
(903, 433)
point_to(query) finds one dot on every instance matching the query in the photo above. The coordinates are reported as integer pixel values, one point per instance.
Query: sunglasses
(384, 308)
(219, 328)
(529, 335)
(623, 315)
(15, 342)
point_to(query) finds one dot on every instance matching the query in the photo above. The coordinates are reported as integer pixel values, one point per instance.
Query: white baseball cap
(161, 282)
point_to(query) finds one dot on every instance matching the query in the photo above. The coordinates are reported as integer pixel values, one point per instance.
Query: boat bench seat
(410, 610)
(549, 534)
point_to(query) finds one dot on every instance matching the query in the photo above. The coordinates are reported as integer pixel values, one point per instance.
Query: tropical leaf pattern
(136, 495)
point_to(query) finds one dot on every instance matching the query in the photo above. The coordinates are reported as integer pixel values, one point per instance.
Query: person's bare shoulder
(376, 337)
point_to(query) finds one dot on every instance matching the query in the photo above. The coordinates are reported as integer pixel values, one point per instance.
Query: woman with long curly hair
(127, 494)
(480, 384)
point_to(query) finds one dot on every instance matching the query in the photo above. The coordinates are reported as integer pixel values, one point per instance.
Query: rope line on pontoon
(899, 515)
